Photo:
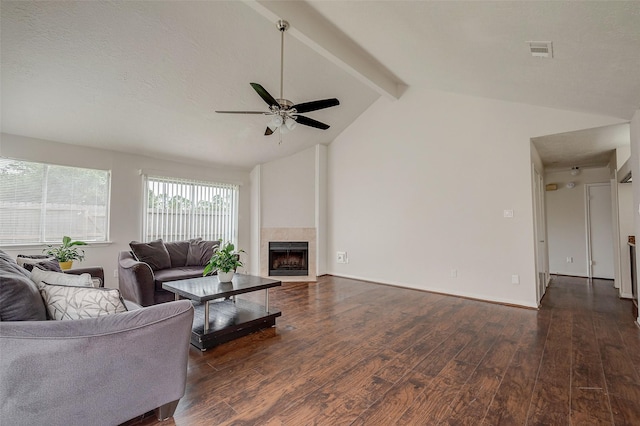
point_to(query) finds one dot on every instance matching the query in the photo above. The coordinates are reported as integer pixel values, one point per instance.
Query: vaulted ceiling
(146, 77)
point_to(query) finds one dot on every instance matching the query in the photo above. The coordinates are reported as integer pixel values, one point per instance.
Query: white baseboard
(443, 291)
(626, 296)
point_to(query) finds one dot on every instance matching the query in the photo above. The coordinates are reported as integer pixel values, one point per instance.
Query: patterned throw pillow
(39, 277)
(46, 263)
(69, 303)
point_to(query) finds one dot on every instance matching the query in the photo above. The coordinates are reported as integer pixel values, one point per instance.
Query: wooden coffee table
(219, 316)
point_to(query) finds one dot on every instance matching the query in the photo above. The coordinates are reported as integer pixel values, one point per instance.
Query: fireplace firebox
(288, 258)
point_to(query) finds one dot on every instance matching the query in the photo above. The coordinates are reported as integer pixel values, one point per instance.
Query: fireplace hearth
(288, 258)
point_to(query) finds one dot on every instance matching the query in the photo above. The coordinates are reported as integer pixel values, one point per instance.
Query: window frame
(42, 228)
(194, 184)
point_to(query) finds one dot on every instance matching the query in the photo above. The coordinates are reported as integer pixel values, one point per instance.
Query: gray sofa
(98, 371)
(143, 270)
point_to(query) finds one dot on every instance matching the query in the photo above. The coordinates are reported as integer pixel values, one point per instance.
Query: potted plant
(67, 252)
(225, 260)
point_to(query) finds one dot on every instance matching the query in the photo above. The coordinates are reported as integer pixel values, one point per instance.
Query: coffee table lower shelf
(228, 321)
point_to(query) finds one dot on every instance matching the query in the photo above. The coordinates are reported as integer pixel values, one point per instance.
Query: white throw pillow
(69, 302)
(39, 276)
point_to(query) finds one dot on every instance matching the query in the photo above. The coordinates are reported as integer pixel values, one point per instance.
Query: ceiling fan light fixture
(275, 122)
(290, 123)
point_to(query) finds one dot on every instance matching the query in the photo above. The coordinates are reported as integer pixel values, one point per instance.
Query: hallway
(604, 366)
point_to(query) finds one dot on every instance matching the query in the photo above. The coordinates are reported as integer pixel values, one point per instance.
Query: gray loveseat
(142, 270)
(98, 371)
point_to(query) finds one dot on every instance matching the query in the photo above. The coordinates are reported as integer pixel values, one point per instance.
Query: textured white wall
(126, 191)
(417, 188)
(321, 209)
(287, 194)
(293, 194)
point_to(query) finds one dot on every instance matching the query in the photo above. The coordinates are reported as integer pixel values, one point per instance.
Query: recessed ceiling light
(541, 49)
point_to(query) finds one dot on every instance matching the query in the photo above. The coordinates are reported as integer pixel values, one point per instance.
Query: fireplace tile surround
(288, 234)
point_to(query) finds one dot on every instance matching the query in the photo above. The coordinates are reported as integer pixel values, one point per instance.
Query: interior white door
(599, 232)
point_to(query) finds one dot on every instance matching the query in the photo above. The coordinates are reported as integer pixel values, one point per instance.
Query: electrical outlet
(341, 257)
(508, 213)
(515, 279)
(569, 259)
(454, 273)
(115, 273)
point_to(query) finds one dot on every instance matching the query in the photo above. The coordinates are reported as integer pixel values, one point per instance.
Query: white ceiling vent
(541, 49)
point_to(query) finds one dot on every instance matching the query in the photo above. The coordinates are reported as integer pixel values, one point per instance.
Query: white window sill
(35, 246)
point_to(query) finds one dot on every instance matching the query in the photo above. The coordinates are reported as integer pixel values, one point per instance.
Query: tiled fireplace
(288, 254)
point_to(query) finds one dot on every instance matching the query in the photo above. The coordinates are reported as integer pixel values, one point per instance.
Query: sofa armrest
(98, 371)
(94, 271)
(135, 280)
(131, 306)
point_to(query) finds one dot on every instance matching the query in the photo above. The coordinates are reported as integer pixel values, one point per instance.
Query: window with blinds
(179, 209)
(41, 203)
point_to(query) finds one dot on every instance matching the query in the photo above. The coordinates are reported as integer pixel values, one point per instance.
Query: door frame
(541, 252)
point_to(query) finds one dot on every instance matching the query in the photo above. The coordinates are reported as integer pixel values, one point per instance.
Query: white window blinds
(41, 203)
(180, 209)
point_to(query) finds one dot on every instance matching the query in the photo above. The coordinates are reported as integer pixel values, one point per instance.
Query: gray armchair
(99, 371)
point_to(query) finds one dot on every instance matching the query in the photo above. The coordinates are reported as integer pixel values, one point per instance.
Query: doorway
(600, 259)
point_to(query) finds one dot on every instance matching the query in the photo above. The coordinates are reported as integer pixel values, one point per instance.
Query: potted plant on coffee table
(225, 260)
(67, 252)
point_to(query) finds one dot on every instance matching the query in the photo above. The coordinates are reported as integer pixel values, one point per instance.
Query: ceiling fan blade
(270, 100)
(242, 112)
(315, 105)
(311, 122)
(268, 132)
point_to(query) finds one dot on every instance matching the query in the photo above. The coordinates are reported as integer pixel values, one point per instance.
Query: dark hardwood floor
(348, 352)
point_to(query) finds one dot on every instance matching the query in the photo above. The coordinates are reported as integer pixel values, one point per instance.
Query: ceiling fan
(285, 115)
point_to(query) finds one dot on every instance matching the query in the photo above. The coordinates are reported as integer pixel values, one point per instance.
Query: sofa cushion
(8, 264)
(153, 253)
(178, 252)
(38, 276)
(70, 302)
(174, 274)
(19, 297)
(200, 252)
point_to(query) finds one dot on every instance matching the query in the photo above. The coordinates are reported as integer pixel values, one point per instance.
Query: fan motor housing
(285, 103)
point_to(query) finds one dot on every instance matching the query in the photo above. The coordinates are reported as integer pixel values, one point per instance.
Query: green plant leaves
(66, 251)
(224, 259)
